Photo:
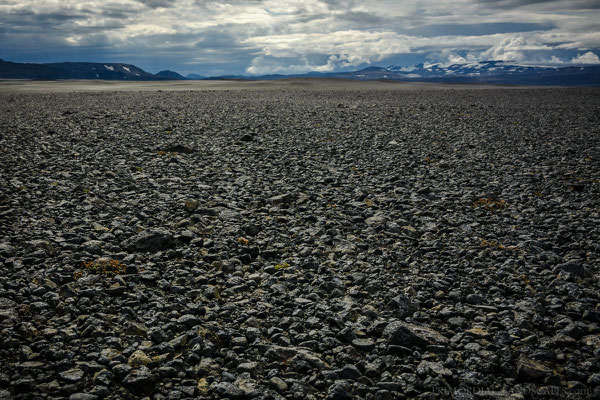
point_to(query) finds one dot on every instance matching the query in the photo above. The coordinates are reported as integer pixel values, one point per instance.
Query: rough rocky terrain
(300, 243)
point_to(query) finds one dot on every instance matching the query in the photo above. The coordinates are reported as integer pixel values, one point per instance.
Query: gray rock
(39, 245)
(375, 221)
(339, 390)
(227, 390)
(74, 375)
(93, 247)
(402, 306)
(474, 298)
(252, 368)
(188, 320)
(364, 345)
(281, 199)
(282, 353)
(405, 334)
(6, 250)
(278, 384)
(531, 370)
(83, 396)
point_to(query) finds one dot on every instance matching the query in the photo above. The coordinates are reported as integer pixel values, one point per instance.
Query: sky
(255, 37)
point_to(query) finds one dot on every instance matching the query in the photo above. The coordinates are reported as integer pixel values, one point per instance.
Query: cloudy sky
(280, 36)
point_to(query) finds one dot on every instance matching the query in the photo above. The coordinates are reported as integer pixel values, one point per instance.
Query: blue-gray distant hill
(168, 74)
(81, 70)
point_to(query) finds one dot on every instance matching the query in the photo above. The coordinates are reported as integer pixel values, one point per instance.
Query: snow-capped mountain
(488, 72)
(492, 72)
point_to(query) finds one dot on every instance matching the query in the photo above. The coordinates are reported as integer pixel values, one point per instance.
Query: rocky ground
(299, 243)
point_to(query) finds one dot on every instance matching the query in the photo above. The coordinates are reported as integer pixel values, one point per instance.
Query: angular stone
(138, 359)
(72, 376)
(6, 250)
(529, 369)
(83, 396)
(151, 240)
(405, 334)
(227, 390)
(188, 320)
(282, 353)
(572, 267)
(592, 341)
(351, 372)
(93, 247)
(375, 221)
(364, 345)
(402, 306)
(37, 245)
(140, 381)
(281, 199)
(250, 367)
(437, 368)
(340, 390)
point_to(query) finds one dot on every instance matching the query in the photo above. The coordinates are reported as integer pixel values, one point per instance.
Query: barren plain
(301, 239)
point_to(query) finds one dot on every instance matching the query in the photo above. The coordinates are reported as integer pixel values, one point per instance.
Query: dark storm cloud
(157, 3)
(340, 4)
(361, 18)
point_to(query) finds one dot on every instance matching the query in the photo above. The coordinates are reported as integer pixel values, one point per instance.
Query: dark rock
(402, 306)
(153, 240)
(530, 370)
(474, 298)
(227, 390)
(351, 372)
(574, 268)
(179, 148)
(339, 390)
(140, 381)
(188, 320)
(405, 334)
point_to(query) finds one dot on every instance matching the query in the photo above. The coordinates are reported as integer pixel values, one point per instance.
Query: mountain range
(81, 70)
(489, 72)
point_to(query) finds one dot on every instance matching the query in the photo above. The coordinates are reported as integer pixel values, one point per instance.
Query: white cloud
(587, 58)
(344, 48)
(271, 65)
(514, 49)
(453, 58)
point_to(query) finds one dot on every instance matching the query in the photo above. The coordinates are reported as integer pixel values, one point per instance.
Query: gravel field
(300, 241)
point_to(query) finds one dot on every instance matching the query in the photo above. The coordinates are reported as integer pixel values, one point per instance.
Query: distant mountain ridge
(486, 72)
(80, 70)
(168, 74)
